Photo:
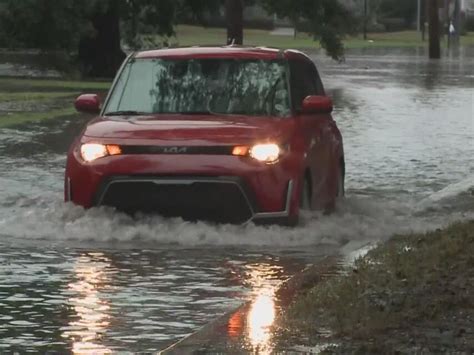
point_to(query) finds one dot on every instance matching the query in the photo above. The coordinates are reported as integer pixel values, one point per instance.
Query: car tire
(341, 184)
(305, 197)
(330, 208)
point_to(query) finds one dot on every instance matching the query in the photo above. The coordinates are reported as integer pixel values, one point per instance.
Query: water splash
(358, 218)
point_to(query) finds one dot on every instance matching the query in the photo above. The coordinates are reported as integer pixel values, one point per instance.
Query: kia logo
(175, 150)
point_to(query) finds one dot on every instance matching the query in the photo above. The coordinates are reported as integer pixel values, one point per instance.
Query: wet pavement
(98, 281)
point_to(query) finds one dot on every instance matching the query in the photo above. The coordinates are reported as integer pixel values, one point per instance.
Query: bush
(393, 24)
(376, 28)
(469, 24)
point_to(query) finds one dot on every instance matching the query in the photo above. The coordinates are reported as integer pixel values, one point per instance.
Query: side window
(317, 78)
(304, 80)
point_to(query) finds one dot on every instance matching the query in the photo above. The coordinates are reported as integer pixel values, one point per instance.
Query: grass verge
(33, 96)
(413, 293)
(194, 35)
(23, 117)
(48, 84)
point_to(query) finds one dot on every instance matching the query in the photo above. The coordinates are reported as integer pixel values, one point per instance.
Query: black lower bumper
(217, 199)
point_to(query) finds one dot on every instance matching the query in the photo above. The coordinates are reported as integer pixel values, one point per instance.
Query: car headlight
(93, 151)
(267, 153)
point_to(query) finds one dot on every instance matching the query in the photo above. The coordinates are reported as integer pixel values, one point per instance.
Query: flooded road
(98, 281)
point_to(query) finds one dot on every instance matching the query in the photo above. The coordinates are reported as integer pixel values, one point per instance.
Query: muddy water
(97, 280)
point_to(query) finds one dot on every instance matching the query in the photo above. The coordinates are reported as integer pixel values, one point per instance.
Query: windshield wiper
(126, 113)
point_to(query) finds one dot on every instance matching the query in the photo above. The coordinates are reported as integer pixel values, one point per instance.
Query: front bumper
(220, 199)
(224, 188)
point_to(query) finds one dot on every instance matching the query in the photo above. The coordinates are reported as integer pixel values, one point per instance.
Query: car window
(318, 81)
(223, 86)
(305, 81)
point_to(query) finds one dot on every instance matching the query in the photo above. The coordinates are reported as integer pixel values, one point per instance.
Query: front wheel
(341, 185)
(305, 197)
(331, 206)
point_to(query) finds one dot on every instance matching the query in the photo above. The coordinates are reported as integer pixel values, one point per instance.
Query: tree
(434, 29)
(87, 27)
(44, 24)
(100, 53)
(234, 10)
(92, 29)
(403, 9)
(329, 20)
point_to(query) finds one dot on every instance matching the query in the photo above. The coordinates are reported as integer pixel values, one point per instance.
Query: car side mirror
(317, 104)
(88, 103)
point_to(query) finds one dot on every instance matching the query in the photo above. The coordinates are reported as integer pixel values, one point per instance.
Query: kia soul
(227, 134)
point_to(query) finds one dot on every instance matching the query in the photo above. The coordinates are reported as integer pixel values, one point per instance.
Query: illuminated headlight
(93, 151)
(267, 153)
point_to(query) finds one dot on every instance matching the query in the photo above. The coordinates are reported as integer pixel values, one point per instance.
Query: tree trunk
(457, 20)
(234, 16)
(423, 19)
(434, 30)
(101, 54)
(366, 19)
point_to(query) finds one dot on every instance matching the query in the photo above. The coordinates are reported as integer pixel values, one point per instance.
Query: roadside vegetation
(21, 84)
(32, 96)
(411, 294)
(33, 100)
(26, 117)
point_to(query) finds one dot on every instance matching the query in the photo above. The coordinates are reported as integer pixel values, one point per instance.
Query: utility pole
(234, 15)
(365, 19)
(418, 16)
(457, 20)
(434, 29)
(447, 16)
(424, 9)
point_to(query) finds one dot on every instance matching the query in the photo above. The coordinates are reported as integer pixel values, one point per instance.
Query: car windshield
(202, 86)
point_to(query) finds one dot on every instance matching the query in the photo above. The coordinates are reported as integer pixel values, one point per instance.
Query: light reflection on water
(98, 301)
(91, 322)
(260, 319)
(262, 309)
(252, 325)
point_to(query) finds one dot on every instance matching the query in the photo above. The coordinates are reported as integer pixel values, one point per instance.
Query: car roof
(233, 51)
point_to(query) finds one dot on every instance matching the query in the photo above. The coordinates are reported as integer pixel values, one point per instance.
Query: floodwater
(98, 281)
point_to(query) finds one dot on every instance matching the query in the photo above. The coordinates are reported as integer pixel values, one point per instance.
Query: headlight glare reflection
(94, 151)
(267, 153)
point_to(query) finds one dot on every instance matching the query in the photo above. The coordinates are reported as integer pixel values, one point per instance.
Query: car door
(316, 128)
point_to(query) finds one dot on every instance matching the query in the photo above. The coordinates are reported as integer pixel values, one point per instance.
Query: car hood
(191, 129)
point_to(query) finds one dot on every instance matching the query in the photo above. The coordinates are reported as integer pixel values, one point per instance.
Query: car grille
(222, 201)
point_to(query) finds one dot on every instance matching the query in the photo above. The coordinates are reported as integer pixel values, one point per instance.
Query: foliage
(329, 20)
(90, 27)
(53, 25)
(46, 24)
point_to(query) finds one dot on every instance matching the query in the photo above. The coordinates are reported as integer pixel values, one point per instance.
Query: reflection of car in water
(229, 134)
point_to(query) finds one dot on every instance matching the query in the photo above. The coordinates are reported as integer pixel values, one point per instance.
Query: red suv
(229, 134)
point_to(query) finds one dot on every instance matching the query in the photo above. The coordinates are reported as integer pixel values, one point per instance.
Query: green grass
(42, 99)
(7, 83)
(193, 35)
(33, 96)
(408, 285)
(23, 117)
